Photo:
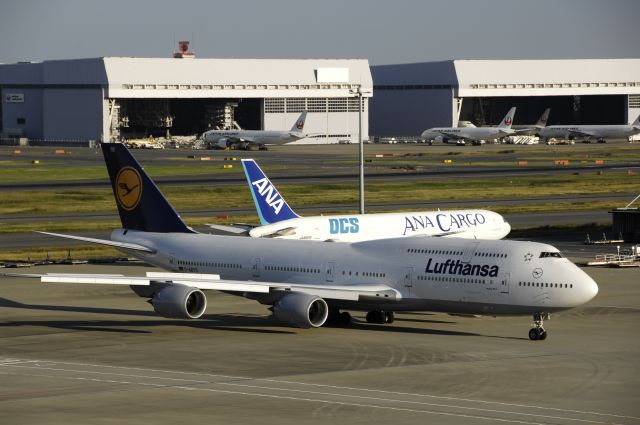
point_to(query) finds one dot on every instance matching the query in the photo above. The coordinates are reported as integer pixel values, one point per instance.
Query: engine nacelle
(222, 143)
(301, 310)
(179, 302)
(441, 139)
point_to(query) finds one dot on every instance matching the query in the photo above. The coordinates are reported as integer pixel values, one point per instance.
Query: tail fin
(508, 119)
(140, 203)
(636, 123)
(542, 122)
(298, 126)
(270, 204)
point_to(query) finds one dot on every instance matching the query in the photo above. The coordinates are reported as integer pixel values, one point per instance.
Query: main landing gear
(379, 316)
(538, 332)
(338, 318)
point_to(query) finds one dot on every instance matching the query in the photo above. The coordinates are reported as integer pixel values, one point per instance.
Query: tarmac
(72, 354)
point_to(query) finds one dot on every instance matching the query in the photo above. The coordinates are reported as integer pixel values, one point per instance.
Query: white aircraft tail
(636, 123)
(298, 126)
(508, 119)
(542, 122)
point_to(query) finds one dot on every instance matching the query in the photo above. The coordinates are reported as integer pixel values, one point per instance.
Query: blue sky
(397, 31)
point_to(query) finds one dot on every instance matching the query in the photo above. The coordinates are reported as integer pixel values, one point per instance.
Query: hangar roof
(169, 77)
(475, 78)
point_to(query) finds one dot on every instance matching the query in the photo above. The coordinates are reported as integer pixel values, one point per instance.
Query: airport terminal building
(119, 98)
(409, 98)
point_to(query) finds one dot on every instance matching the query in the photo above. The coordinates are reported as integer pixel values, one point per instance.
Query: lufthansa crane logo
(128, 188)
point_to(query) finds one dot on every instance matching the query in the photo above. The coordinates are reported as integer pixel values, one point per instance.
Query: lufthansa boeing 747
(310, 283)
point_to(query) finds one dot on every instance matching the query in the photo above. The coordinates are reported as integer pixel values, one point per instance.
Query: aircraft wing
(581, 133)
(453, 135)
(519, 131)
(115, 244)
(355, 292)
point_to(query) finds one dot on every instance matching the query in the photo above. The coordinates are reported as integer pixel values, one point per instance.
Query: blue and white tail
(270, 204)
(140, 203)
(298, 126)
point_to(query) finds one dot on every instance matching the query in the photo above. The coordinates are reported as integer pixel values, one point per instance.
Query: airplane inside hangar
(115, 98)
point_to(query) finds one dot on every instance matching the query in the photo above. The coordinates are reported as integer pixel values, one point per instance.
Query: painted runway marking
(183, 380)
(273, 396)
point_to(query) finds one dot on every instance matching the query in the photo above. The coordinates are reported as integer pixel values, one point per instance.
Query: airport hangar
(115, 98)
(410, 98)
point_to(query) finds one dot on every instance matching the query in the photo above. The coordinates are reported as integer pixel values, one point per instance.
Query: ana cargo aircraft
(308, 283)
(588, 132)
(227, 138)
(474, 134)
(280, 221)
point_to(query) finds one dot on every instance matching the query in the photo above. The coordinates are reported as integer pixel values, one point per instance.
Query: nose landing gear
(538, 332)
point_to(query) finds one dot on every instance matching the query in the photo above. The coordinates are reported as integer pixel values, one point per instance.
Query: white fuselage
(469, 224)
(436, 274)
(589, 131)
(469, 133)
(259, 137)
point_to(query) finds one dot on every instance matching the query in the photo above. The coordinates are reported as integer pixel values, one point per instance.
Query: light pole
(359, 94)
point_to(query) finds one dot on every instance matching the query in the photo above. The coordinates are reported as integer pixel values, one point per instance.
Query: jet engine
(441, 139)
(179, 302)
(222, 143)
(301, 310)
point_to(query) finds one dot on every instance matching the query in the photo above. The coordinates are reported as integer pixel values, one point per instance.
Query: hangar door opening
(183, 117)
(605, 109)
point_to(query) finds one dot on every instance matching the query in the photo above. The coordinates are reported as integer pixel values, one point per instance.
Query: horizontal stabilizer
(115, 244)
(236, 229)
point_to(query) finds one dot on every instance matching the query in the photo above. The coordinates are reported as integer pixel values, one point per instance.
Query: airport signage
(14, 98)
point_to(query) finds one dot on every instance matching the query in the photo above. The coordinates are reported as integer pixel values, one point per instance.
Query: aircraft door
(504, 284)
(173, 264)
(470, 251)
(255, 266)
(408, 278)
(330, 270)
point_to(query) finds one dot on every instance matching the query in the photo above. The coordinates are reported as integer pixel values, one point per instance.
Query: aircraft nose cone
(507, 229)
(588, 289)
(592, 289)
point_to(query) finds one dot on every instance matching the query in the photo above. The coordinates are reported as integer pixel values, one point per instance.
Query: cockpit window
(550, 254)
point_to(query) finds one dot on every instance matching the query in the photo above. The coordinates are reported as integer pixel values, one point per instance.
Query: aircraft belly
(447, 306)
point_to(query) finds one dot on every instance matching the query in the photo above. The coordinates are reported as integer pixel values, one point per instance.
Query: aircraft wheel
(344, 318)
(389, 317)
(534, 334)
(376, 316)
(542, 335)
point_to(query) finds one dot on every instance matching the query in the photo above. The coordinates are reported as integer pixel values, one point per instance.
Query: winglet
(508, 119)
(140, 203)
(270, 205)
(298, 126)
